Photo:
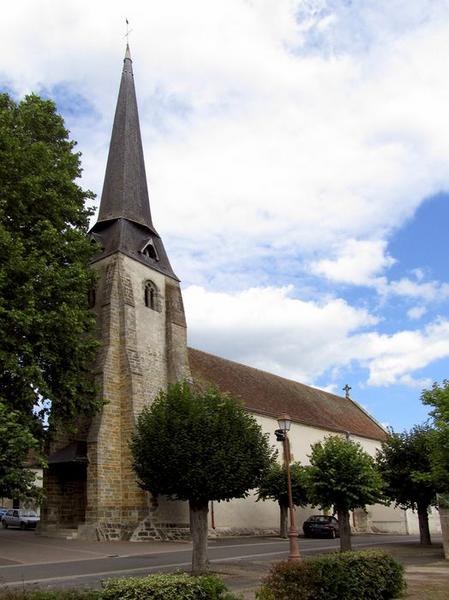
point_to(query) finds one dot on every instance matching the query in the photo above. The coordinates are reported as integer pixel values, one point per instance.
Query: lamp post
(285, 422)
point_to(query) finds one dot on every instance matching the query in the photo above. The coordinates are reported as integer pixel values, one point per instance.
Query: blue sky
(298, 160)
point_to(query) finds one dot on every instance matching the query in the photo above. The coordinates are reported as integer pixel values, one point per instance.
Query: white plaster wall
(434, 522)
(173, 512)
(247, 513)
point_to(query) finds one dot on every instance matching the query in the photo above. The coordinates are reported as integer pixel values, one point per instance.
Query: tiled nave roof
(267, 394)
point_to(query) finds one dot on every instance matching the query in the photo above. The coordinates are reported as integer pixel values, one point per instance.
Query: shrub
(166, 587)
(367, 575)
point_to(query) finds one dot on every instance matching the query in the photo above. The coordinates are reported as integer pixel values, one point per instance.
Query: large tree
(343, 476)
(274, 487)
(47, 343)
(199, 445)
(404, 462)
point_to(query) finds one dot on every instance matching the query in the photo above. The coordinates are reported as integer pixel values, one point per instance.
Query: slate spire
(125, 192)
(124, 218)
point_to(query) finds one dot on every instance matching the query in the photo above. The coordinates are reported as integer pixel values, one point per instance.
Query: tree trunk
(283, 522)
(423, 519)
(345, 530)
(198, 529)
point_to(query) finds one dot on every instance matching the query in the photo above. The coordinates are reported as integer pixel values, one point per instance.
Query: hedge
(153, 587)
(366, 575)
(166, 587)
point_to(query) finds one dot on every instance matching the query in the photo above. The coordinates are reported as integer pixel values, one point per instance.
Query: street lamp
(284, 422)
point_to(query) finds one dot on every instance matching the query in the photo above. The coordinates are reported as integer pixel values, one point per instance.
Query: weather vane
(346, 390)
(128, 31)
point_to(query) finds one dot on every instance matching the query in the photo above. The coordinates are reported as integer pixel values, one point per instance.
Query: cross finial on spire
(128, 31)
(346, 390)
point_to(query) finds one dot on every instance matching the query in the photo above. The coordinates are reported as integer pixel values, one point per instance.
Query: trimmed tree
(404, 462)
(47, 341)
(343, 476)
(199, 445)
(274, 487)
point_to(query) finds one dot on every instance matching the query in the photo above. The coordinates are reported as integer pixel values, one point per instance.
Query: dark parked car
(3, 510)
(321, 525)
(20, 517)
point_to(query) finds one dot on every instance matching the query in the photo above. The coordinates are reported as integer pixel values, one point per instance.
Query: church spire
(125, 192)
(124, 219)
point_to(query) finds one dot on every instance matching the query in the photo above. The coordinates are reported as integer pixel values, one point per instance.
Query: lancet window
(151, 296)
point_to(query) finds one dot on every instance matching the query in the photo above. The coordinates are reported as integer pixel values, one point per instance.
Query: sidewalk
(426, 572)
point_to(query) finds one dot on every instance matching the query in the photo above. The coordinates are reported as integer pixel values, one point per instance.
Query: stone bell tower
(91, 485)
(141, 321)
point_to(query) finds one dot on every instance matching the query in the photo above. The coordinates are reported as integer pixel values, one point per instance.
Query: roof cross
(128, 31)
(346, 390)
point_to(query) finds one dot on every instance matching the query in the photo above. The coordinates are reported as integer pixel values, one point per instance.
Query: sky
(297, 153)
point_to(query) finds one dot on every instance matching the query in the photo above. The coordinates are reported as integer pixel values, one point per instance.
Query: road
(27, 559)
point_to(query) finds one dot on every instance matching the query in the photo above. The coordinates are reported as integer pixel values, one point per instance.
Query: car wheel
(5, 525)
(22, 526)
(333, 534)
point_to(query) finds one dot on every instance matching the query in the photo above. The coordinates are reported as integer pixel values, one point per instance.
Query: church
(90, 484)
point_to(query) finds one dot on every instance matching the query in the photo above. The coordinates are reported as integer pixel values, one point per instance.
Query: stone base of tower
(154, 520)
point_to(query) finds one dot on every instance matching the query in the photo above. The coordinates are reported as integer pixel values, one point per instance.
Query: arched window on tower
(151, 296)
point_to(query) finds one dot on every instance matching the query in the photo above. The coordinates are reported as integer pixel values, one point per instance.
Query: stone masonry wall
(142, 350)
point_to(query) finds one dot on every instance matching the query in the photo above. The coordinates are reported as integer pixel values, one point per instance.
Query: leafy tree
(405, 465)
(47, 343)
(198, 445)
(438, 398)
(16, 443)
(341, 474)
(274, 487)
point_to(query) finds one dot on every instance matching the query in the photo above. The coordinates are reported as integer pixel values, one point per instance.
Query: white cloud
(365, 262)
(416, 312)
(267, 139)
(268, 329)
(425, 290)
(257, 124)
(357, 262)
(393, 359)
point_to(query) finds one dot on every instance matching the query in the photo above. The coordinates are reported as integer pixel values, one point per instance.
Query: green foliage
(16, 442)
(153, 587)
(47, 343)
(343, 475)
(405, 465)
(366, 575)
(50, 595)
(438, 398)
(199, 445)
(440, 460)
(274, 485)
(166, 587)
